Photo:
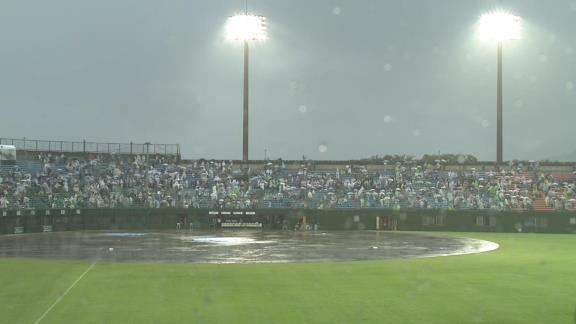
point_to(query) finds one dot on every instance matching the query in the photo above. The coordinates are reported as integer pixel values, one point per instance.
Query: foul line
(65, 293)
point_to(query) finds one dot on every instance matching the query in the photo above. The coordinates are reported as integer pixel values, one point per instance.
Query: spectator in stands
(114, 181)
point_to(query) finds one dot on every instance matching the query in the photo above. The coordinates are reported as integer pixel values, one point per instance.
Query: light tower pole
(246, 28)
(245, 105)
(499, 106)
(499, 26)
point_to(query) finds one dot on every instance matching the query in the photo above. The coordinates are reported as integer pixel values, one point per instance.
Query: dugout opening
(386, 223)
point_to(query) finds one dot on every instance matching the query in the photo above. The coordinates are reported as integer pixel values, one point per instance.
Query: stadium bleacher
(117, 181)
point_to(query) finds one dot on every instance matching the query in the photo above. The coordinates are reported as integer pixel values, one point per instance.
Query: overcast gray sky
(336, 80)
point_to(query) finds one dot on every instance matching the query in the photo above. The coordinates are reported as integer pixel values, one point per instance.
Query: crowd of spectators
(558, 190)
(116, 181)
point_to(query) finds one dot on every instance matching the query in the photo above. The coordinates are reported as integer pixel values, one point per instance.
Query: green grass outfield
(530, 279)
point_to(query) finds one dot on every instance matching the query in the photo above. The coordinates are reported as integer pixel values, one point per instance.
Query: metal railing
(91, 147)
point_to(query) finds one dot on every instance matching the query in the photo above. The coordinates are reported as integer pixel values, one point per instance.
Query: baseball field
(529, 279)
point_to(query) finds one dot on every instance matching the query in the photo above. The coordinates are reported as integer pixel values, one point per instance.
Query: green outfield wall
(32, 221)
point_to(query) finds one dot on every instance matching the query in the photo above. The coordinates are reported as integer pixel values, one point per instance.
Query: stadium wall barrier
(32, 221)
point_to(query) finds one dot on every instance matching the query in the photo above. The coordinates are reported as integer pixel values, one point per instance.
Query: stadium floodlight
(499, 26)
(246, 28)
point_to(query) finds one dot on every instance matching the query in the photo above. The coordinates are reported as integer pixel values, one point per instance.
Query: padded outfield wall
(31, 221)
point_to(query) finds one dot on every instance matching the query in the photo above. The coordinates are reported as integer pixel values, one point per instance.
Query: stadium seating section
(114, 181)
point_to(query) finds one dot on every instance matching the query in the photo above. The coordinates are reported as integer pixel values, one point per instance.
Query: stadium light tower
(499, 26)
(246, 28)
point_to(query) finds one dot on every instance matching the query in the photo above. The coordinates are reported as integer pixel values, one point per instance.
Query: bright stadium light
(499, 26)
(246, 28)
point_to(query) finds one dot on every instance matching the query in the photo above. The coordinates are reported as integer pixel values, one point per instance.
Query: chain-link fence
(91, 147)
